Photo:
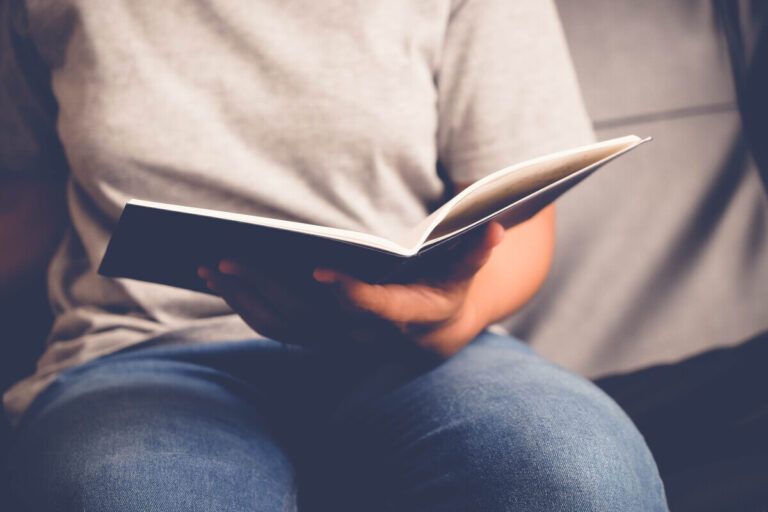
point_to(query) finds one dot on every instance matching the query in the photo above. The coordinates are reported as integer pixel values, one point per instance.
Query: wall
(664, 253)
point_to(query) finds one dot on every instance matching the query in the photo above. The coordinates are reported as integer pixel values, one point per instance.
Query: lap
(221, 426)
(496, 428)
(149, 434)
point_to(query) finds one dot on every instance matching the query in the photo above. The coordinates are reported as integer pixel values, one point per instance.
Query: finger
(478, 253)
(352, 291)
(289, 321)
(258, 273)
(233, 267)
(284, 294)
(209, 277)
(398, 303)
(236, 269)
(255, 309)
(204, 272)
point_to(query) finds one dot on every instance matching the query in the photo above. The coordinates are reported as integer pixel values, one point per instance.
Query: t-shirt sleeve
(29, 144)
(507, 90)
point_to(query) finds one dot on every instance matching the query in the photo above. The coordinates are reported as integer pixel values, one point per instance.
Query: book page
(501, 189)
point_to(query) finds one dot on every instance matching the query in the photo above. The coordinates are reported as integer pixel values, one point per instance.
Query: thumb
(479, 251)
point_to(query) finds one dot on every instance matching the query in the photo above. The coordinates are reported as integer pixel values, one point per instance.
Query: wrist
(452, 335)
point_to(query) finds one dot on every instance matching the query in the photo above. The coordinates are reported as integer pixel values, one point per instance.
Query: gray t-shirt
(332, 112)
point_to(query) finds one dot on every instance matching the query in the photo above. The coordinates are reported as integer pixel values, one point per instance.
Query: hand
(435, 314)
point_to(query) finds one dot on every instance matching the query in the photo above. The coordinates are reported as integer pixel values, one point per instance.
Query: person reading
(362, 116)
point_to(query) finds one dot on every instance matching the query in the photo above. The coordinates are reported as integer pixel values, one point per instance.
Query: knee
(515, 432)
(149, 445)
(559, 444)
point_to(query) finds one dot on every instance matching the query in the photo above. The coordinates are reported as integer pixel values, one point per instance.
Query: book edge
(341, 235)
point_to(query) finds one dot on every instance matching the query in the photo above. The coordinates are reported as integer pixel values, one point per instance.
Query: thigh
(493, 428)
(143, 433)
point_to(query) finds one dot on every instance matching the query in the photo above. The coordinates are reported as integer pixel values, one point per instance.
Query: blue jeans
(255, 425)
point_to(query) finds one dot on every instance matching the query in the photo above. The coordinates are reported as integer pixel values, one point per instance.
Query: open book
(165, 243)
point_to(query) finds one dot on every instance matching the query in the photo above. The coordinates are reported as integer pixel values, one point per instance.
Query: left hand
(436, 314)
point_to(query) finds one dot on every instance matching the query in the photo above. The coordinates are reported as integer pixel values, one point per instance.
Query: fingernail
(203, 272)
(212, 286)
(228, 267)
(324, 275)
